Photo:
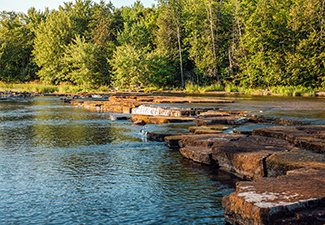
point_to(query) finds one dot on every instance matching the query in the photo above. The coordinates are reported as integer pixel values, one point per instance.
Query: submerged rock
(115, 116)
(158, 136)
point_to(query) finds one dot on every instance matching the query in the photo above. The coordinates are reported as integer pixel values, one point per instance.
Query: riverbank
(274, 154)
(38, 87)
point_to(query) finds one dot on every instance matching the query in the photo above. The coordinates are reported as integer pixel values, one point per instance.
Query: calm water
(63, 165)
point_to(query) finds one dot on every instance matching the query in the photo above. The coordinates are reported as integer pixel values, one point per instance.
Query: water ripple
(63, 165)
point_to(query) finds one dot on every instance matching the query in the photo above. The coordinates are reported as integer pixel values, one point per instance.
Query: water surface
(63, 165)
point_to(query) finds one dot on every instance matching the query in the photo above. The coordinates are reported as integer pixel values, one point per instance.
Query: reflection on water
(63, 165)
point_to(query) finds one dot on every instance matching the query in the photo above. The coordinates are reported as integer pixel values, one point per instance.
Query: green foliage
(293, 91)
(127, 67)
(16, 44)
(257, 47)
(137, 68)
(34, 87)
(80, 62)
(230, 87)
(283, 43)
(194, 88)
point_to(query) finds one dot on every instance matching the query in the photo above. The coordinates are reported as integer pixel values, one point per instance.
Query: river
(63, 165)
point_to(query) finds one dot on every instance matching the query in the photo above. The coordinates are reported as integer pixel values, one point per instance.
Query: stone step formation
(281, 159)
(287, 178)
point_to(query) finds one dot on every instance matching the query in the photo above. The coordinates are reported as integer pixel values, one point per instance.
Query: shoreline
(14, 93)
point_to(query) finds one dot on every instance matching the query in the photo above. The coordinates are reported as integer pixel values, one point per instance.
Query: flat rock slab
(159, 119)
(245, 156)
(206, 140)
(124, 103)
(158, 136)
(297, 198)
(286, 121)
(310, 137)
(207, 131)
(197, 154)
(249, 128)
(173, 111)
(280, 163)
(217, 127)
(230, 120)
(173, 141)
(215, 113)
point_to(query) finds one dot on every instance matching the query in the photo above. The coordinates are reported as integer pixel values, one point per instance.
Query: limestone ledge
(279, 201)
(288, 184)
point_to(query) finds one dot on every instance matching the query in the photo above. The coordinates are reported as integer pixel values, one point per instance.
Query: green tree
(208, 24)
(16, 45)
(81, 63)
(127, 67)
(55, 34)
(306, 58)
(264, 44)
(170, 35)
(104, 26)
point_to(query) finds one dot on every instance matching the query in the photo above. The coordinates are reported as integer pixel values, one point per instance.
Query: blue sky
(24, 5)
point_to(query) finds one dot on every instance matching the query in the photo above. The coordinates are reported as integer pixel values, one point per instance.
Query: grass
(40, 87)
(194, 88)
(34, 87)
(293, 91)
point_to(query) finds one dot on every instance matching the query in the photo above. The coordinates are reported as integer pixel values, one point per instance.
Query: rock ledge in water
(297, 198)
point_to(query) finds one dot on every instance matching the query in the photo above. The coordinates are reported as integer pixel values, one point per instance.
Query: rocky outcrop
(269, 152)
(221, 117)
(297, 198)
(149, 109)
(288, 179)
(310, 137)
(199, 147)
(245, 156)
(145, 119)
(172, 111)
(125, 103)
(173, 141)
(280, 163)
(212, 129)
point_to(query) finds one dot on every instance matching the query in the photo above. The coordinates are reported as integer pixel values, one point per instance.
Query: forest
(174, 43)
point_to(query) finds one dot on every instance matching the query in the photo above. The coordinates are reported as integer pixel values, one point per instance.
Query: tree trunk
(213, 40)
(180, 54)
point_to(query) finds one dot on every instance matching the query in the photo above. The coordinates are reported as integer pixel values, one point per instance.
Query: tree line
(251, 43)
